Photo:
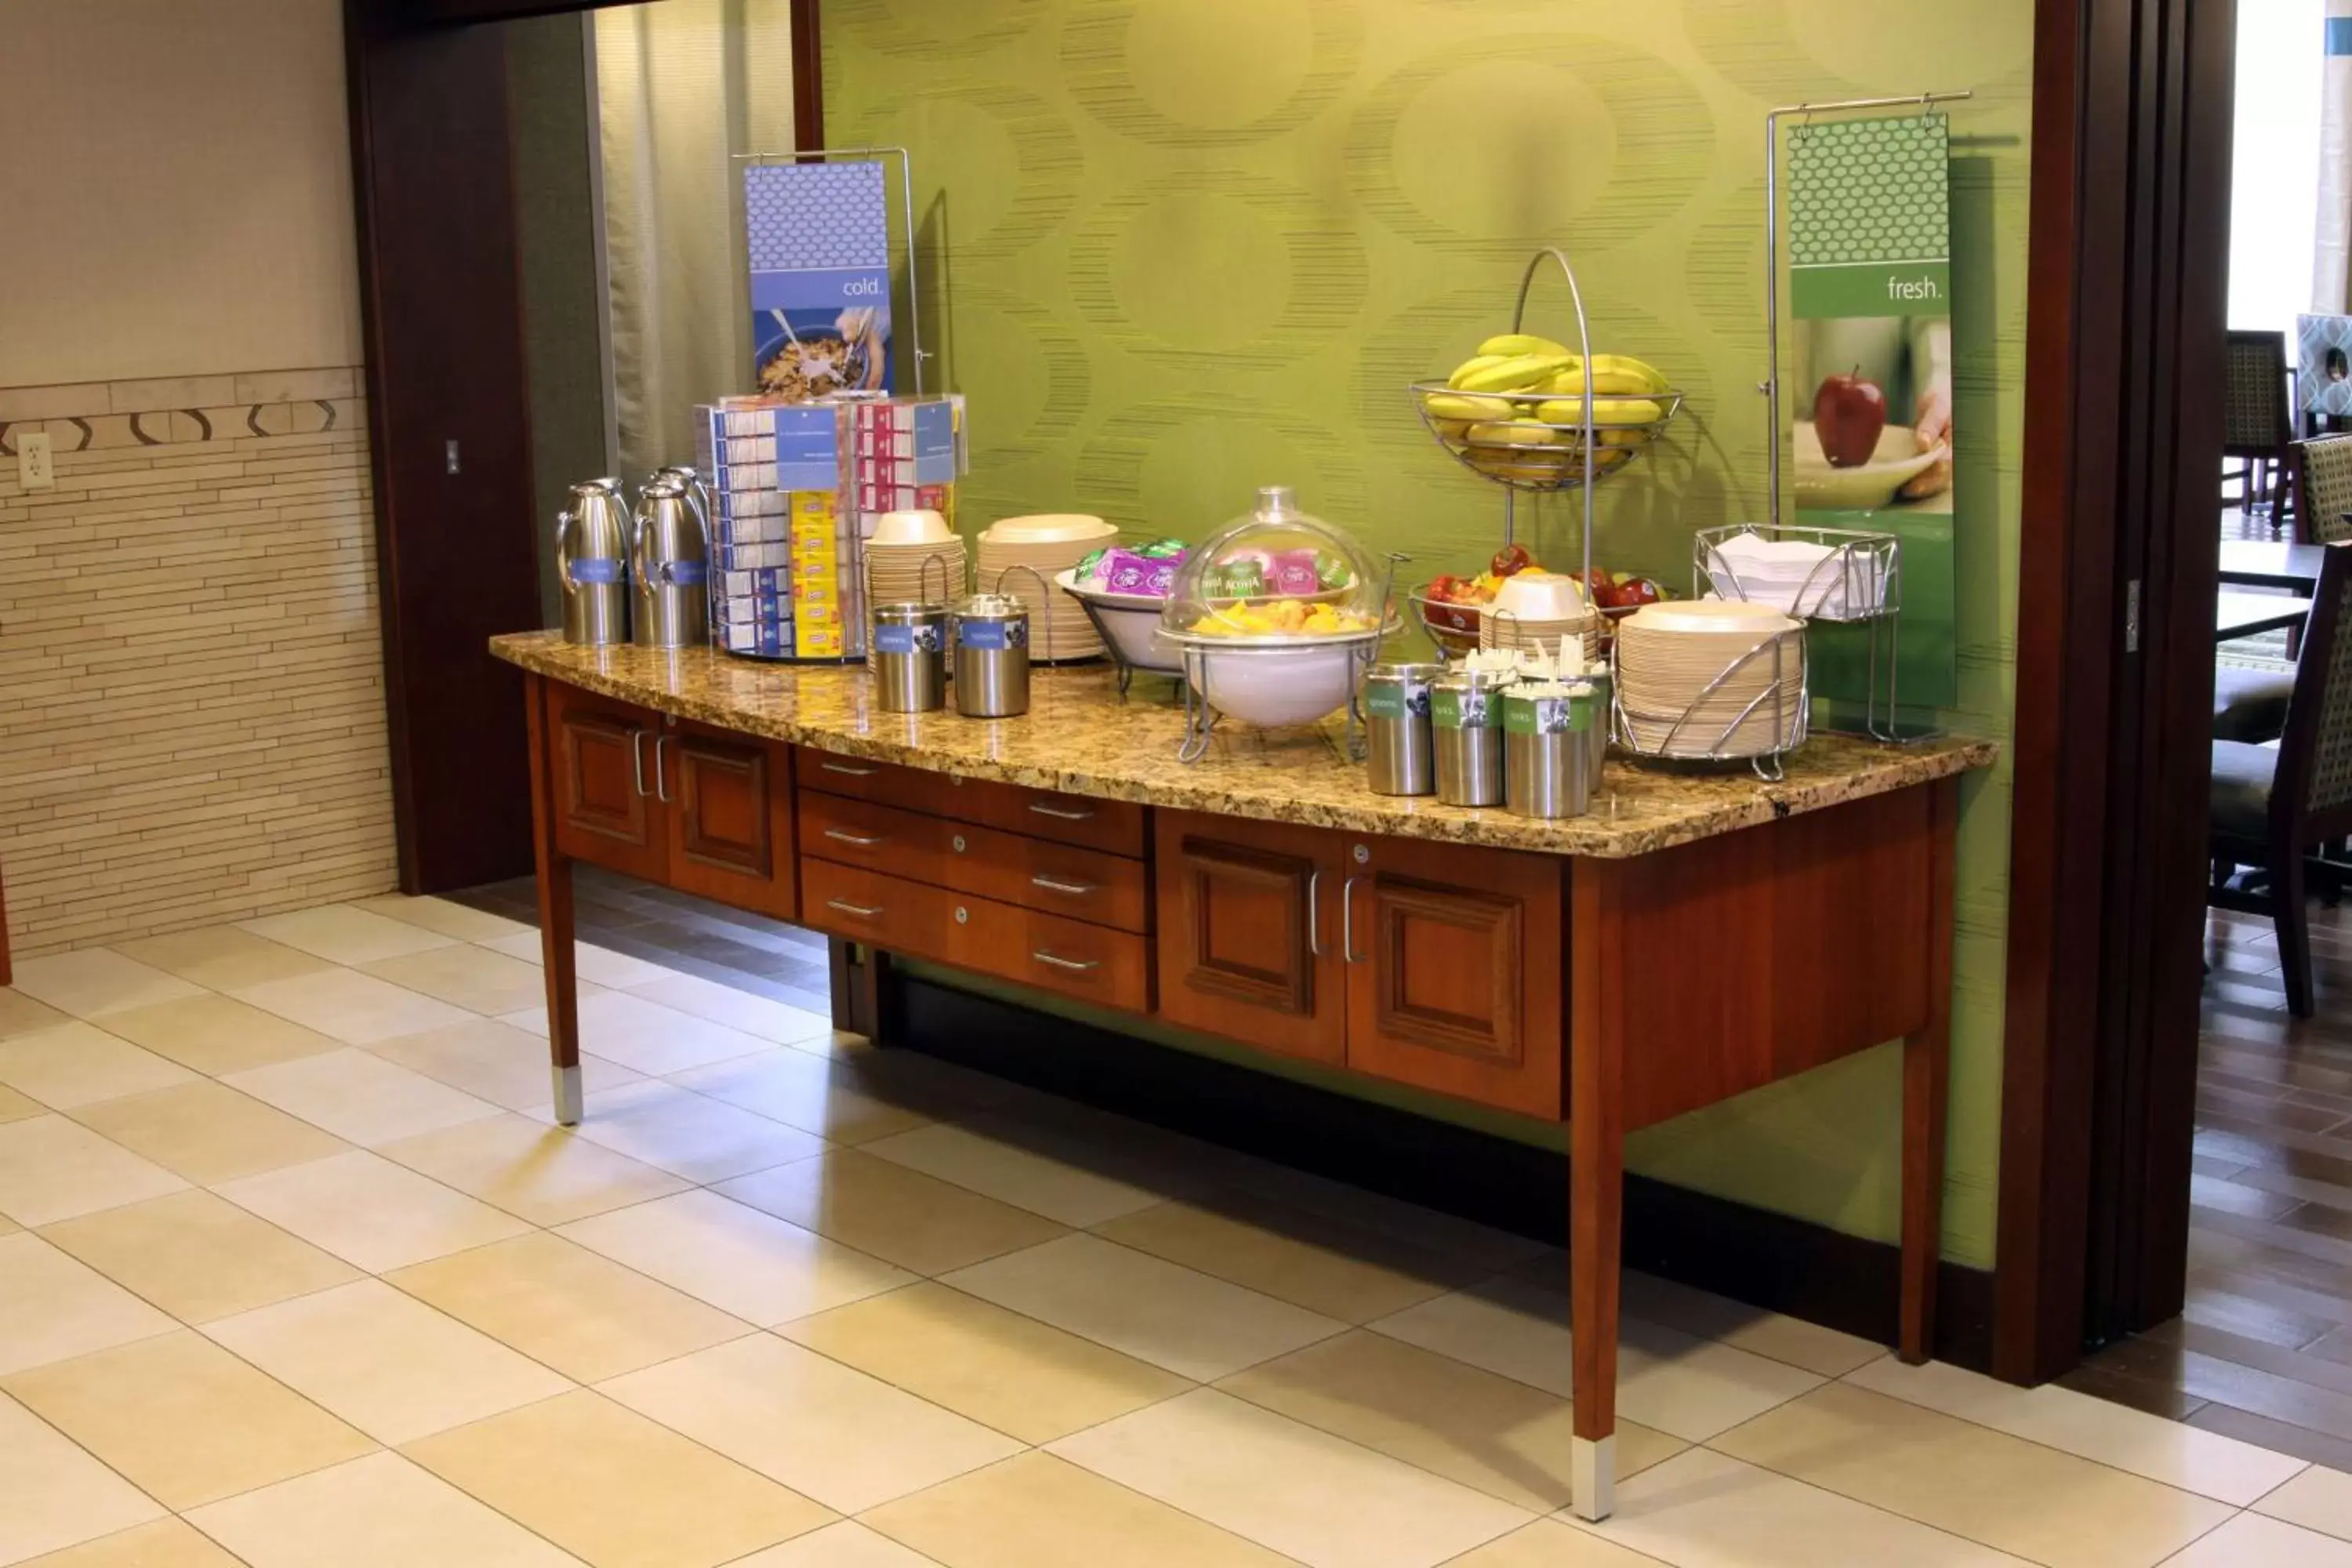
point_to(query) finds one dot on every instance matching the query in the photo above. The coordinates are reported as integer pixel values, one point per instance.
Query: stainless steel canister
(1396, 722)
(910, 658)
(1596, 734)
(1465, 722)
(991, 656)
(1549, 767)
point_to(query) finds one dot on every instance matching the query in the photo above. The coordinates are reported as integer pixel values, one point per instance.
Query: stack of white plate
(1797, 577)
(1046, 545)
(913, 557)
(1753, 656)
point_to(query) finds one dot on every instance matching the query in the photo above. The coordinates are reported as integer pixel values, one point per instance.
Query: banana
(1519, 373)
(1472, 367)
(1514, 432)
(1614, 376)
(1510, 345)
(1605, 411)
(1469, 410)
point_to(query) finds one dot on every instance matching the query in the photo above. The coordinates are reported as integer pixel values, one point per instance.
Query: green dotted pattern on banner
(1869, 190)
(1173, 250)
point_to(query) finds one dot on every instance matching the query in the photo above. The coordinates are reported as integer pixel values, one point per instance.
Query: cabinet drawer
(1115, 826)
(1092, 963)
(1039, 874)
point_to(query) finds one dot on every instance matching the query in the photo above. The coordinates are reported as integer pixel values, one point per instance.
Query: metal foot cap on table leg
(567, 1096)
(1592, 1476)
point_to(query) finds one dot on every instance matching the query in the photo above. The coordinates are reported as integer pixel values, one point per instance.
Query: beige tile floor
(296, 1271)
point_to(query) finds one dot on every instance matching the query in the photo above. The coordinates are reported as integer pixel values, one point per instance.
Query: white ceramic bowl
(1132, 623)
(1048, 527)
(911, 528)
(1274, 685)
(1545, 598)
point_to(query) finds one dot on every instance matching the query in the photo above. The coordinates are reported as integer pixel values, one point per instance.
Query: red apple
(1636, 592)
(1510, 561)
(1849, 414)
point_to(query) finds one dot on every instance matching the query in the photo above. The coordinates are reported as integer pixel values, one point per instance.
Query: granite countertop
(1080, 736)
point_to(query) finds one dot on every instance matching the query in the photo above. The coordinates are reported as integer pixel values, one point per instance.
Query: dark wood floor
(749, 951)
(2264, 1350)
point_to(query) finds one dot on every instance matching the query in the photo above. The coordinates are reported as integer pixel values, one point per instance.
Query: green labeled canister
(1550, 764)
(1396, 726)
(1465, 722)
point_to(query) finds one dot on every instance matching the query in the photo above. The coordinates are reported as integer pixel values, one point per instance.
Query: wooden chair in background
(2257, 423)
(2271, 805)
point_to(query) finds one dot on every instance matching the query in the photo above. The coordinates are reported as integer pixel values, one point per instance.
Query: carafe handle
(563, 549)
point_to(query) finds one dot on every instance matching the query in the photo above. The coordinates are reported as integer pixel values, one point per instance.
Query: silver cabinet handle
(1058, 962)
(863, 840)
(863, 911)
(846, 768)
(1314, 912)
(1060, 815)
(1056, 885)
(661, 776)
(637, 758)
(1348, 921)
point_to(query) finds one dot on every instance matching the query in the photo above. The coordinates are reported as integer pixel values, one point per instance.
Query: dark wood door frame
(2126, 300)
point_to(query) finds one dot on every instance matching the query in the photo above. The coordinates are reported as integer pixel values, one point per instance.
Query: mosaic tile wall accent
(192, 723)
(1173, 250)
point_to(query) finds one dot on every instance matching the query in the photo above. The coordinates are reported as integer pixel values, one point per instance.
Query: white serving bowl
(1272, 685)
(911, 528)
(1132, 621)
(1048, 527)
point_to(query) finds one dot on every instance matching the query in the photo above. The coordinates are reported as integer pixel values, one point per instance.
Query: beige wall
(176, 180)
(192, 723)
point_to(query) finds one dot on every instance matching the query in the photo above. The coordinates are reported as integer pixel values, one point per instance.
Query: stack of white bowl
(1669, 654)
(913, 557)
(1012, 549)
(1535, 610)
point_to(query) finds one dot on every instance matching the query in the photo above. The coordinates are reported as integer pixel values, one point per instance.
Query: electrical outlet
(35, 471)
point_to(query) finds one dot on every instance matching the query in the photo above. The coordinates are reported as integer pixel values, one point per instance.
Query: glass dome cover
(1276, 575)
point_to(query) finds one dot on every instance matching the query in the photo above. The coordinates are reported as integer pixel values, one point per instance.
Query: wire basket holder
(1531, 466)
(1858, 583)
(1789, 695)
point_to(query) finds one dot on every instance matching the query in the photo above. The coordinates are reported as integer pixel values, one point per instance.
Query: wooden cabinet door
(605, 811)
(1454, 974)
(1249, 932)
(727, 798)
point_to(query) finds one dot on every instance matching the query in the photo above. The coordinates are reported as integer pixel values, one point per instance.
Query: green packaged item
(1236, 580)
(1090, 565)
(1164, 550)
(1332, 570)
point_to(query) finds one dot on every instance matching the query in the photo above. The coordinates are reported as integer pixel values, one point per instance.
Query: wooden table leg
(1926, 1073)
(555, 926)
(1596, 1190)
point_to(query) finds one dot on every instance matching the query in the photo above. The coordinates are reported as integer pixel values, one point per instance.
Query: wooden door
(727, 808)
(1454, 970)
(605, 810)
(1249, 932)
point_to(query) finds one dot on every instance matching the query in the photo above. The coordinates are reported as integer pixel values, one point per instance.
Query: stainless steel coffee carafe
(592, 554)
(670, 561)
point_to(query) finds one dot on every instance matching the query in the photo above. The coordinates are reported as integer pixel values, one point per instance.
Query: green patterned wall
(1173, 250)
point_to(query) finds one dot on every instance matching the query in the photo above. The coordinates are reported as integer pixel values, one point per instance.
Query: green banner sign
(1870, 286)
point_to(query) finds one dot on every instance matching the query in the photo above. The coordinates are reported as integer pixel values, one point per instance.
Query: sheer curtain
(682, 85)
(2331, 285)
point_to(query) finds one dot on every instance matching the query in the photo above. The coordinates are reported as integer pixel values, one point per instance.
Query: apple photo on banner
(1872, 415)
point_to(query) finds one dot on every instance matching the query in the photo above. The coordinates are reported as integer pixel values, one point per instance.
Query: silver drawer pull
(1059, 815)
(1058, 962)
(862, 841)
(846, 768)
(863, 911)
(1056, 885)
